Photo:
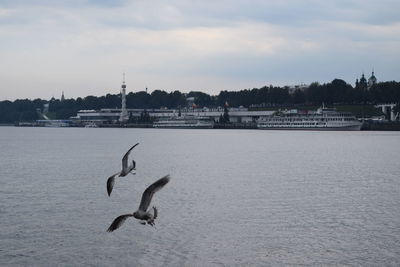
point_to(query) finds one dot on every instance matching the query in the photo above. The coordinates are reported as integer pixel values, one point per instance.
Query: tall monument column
(124, 113)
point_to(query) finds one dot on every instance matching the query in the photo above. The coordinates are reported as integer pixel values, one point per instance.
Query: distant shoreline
(367, 126)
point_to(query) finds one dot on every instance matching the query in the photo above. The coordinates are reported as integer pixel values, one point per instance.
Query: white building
(105, 116)
(387, 109)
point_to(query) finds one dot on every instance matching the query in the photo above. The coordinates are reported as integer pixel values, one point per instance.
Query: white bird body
(142, 213)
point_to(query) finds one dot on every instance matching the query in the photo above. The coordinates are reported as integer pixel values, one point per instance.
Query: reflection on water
(235, 197)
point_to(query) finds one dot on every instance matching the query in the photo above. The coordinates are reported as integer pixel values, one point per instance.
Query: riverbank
(367, 125)
(381, 126)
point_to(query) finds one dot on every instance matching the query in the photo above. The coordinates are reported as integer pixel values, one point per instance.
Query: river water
(236, 197)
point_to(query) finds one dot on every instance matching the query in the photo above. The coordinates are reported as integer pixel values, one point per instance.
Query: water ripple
(236, 198)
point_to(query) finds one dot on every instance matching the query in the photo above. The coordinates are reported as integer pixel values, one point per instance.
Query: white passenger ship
(186, 122)
(322, 119)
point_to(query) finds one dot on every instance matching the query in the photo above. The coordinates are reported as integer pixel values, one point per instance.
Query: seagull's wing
(118, 222)
(110, 183)
(149, 192)
(125, 158)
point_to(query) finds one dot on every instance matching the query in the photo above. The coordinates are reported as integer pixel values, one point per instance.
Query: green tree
(158, 99)
(298, 97)
(201, 99)
(225, 117)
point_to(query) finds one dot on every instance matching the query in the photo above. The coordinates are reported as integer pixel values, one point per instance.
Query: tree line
(335, 92)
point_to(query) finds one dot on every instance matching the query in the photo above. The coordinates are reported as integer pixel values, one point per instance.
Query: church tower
(362, 84)
(124, 113)
(371, 80)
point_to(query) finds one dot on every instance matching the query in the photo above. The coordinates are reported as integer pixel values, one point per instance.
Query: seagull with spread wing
(124, 172)
(142, 213)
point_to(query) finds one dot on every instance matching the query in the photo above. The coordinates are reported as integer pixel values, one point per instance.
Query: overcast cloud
(82, 47)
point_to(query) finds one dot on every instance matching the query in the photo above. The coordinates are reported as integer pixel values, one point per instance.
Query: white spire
(124, 113)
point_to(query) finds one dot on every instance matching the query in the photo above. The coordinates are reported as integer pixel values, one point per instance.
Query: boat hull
(183, 126)
(342, 128)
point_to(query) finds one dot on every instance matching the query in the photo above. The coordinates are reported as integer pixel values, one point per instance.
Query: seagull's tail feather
(133, 165)
(155, 213)
(118, 222)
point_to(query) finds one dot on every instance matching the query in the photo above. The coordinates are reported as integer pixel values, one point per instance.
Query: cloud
(182, 44)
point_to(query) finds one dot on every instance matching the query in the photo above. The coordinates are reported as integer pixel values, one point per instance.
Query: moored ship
(322, 119)
(187, 122)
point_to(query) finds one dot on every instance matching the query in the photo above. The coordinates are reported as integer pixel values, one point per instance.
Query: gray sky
(82, 47)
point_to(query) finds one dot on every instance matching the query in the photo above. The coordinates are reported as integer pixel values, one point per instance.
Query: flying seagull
(142, 213)
(125, 170)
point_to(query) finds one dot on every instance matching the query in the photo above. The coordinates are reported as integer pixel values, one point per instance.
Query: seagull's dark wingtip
(110, 184)
(118, 222)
